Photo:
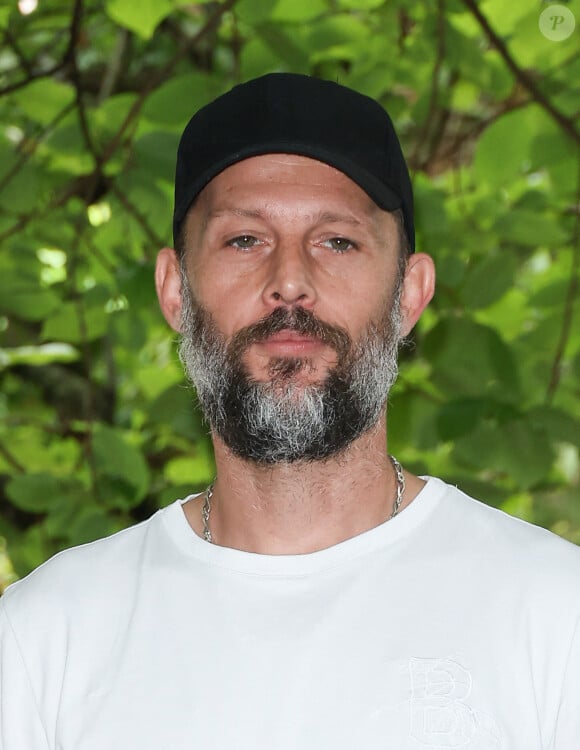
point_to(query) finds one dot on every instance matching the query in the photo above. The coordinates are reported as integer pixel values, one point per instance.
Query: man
(316, 595)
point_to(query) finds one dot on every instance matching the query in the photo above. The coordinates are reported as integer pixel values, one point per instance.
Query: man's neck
(301, 507)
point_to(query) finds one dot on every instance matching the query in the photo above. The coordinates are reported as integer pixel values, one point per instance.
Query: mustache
(300, 321)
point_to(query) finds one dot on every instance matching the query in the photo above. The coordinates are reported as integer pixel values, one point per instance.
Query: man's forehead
(282, 166)
(268, 184)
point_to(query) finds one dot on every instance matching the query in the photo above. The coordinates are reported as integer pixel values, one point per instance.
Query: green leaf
(33, 493)
(336, 30)
(253, 13)
(20, 297)
(7, 572)
(503, 151)
(155, 154)
(548, 148)
(516, 449)
(195, 469)
(529, 228)
(44, 99)
(118, 459)
(557, 423)
(360, 4)
(465, 96)
(288, 47)
(550, 295)
(22, 190)
(519, 505)
(110, 116)
(36, 356)
(176, 408)
(257, 58)
(92, 522)
(510, 314)
(137, 283)
(40, 451)
(506, 18)
(297, 11)
(469, 359)
(30, 549)
(66, 150)
(142, 17)
(75, 324)
(461, 416)
(431, 212)
(412, 421)
(488, 279)
(144, 185)
(173, 103)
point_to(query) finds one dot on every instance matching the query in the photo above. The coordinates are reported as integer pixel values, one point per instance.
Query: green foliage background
(96, 427)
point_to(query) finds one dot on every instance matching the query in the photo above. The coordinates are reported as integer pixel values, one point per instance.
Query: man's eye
(243, 242)
(339, 244)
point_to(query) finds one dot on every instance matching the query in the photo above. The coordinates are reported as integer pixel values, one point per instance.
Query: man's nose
(290, 276)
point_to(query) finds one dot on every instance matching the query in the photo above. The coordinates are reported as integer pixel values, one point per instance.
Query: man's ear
(418, 289)
(168, 285)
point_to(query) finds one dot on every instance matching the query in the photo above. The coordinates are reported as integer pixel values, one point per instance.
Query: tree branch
(57, 67)
(463, 138)
(91, 416)
(521, 75)
(96, 175)
(139, 218)
(9, 458)
(98, 255)
(32, 144)
(114, 68)
(22, 59)
(117, 139)
(32, 77)
(163, 74)
(571, 299)
(434, 95)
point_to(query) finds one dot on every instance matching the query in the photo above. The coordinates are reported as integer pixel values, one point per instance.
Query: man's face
(290, 308)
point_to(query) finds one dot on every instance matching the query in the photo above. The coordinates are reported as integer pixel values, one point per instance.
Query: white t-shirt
(450, 626)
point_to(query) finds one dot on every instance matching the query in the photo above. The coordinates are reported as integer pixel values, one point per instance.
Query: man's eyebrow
(215, 213)
(320, 218)
(330, 218)
(228, 210)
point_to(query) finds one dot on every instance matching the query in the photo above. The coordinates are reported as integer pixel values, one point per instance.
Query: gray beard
(281, 420)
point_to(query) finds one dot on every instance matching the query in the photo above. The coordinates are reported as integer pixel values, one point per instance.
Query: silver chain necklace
(400, 477)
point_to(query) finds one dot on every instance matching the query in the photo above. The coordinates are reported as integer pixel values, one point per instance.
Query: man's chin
(296, 370)
(296, 382)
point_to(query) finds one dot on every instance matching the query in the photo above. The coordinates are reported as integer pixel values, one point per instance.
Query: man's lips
(289, 335)
(291, 342)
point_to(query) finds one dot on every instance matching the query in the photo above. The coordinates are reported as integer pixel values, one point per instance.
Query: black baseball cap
(295, 114)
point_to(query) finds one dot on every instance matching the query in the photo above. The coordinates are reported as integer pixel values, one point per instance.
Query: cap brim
(380, 193)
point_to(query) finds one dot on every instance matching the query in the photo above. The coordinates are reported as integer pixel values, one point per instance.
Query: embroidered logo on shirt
(441, 716)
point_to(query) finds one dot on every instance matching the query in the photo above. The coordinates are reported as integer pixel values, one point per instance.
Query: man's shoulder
(94, 569)
(489, 518)
(504, 542)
